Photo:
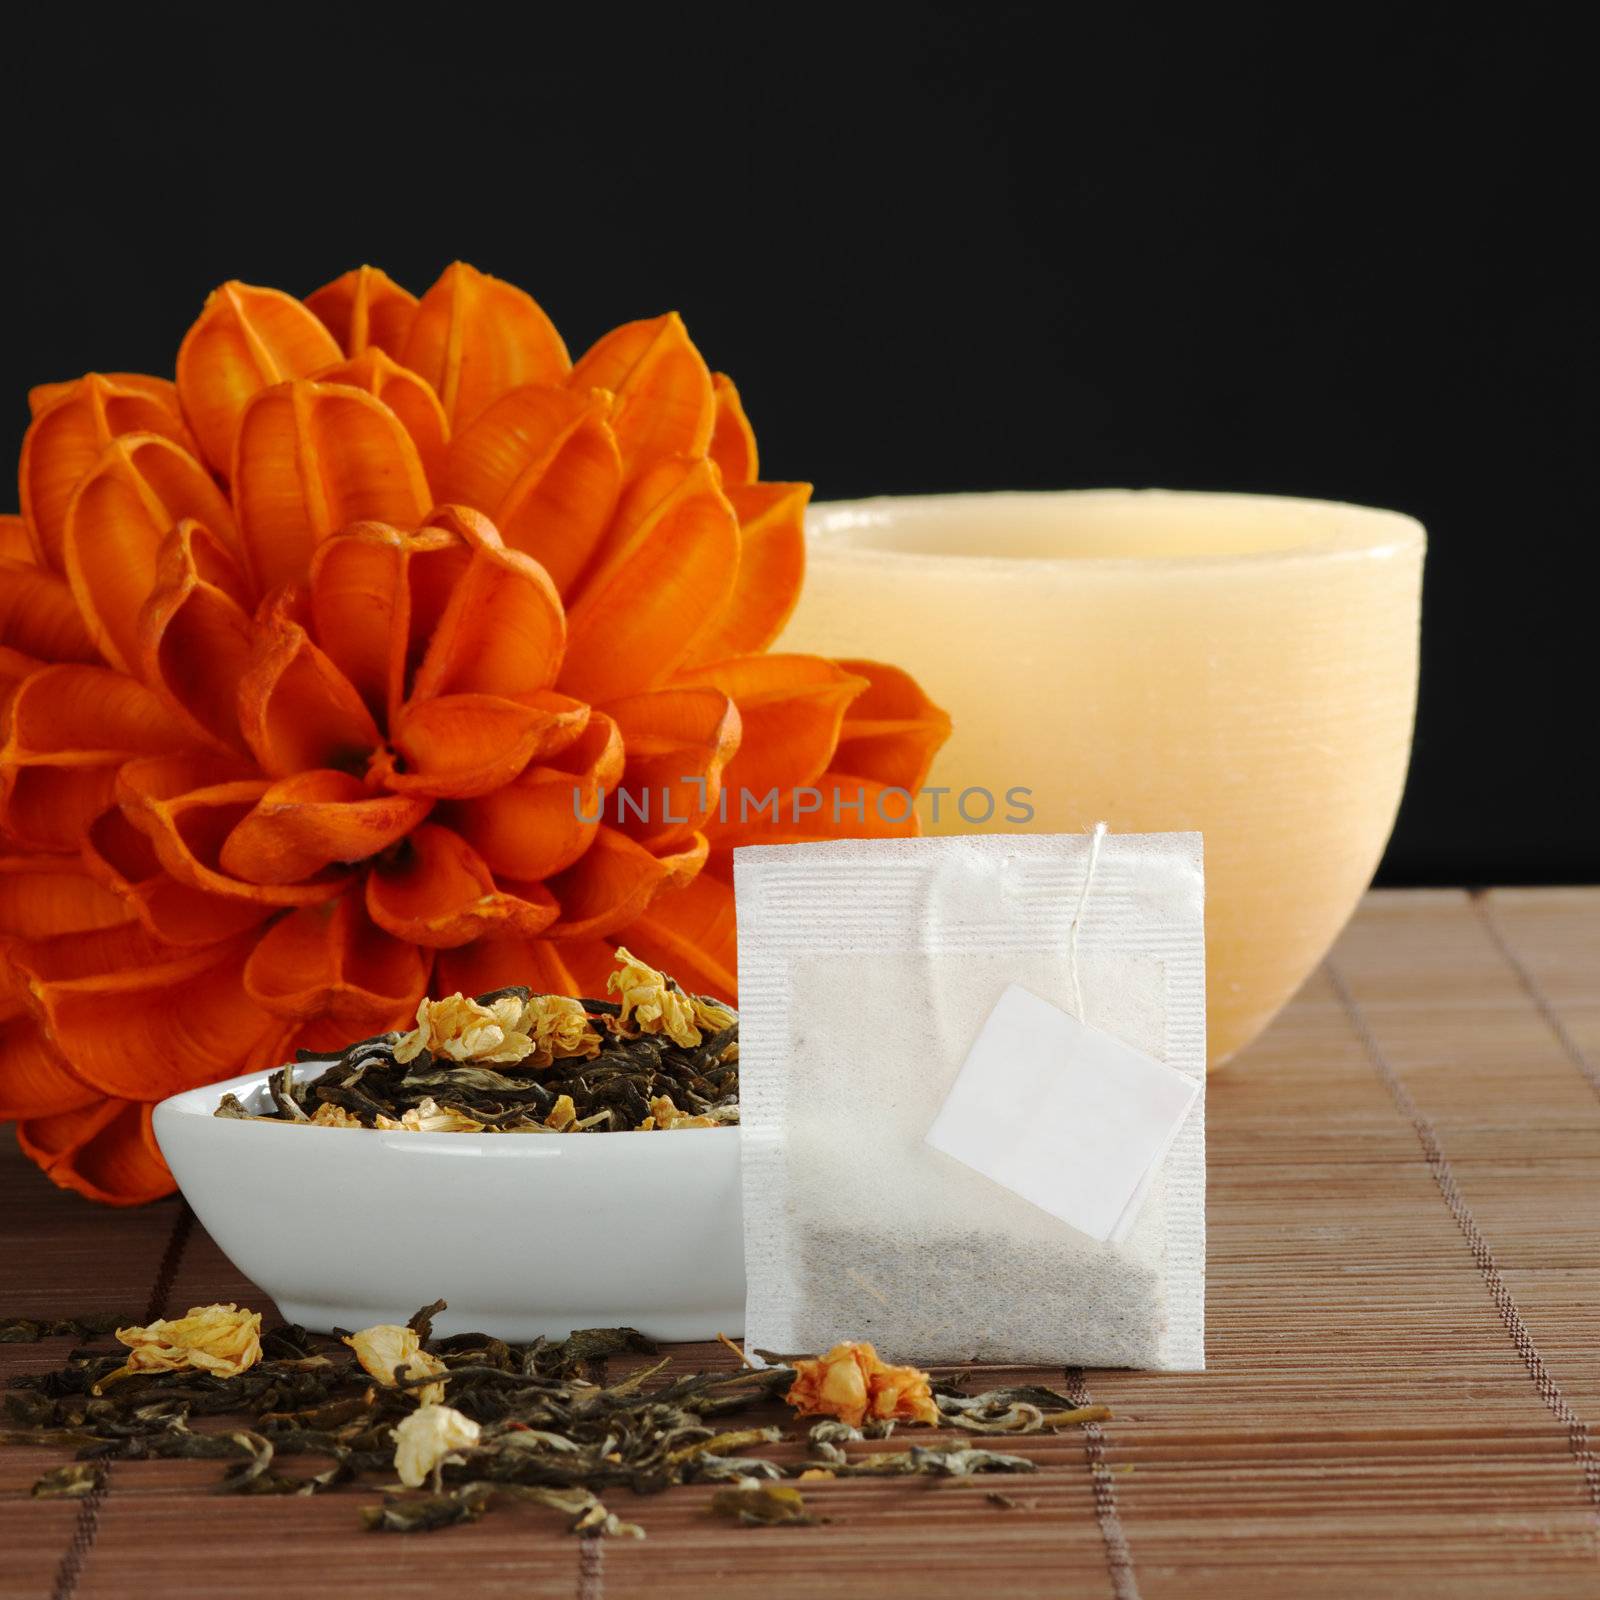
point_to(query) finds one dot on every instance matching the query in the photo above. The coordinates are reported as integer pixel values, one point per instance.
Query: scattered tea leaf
(71, 1482)
(763, 1505)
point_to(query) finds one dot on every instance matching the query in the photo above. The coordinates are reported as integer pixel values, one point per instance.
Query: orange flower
(851, 1383)
(316, 664)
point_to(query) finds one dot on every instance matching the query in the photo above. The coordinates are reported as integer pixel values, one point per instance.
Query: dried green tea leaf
(584, 1073)
(930, 1461)
(29, 1330)
(763, 1505)
(424, 1513)
(71, 1482)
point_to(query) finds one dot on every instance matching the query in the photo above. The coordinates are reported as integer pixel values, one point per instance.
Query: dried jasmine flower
(664, 1114)
(467, 1030)
(560, 1029)
(851, 1383)
(219, 1339)
(328, 1115)
(391, 1353)
(710, 1016)
(431, 1117)
(426, 1439)
(651, 1003)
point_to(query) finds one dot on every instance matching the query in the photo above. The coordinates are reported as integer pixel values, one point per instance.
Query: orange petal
(405, 394)
(170, 913)
(15, 542)
(178, 1023)
(733, 440)
(187, 806)
(72, 712)
(246, 340)
(105, 1152)
(546, 817)
(542, 462)
(34, 1079)
(503, 631)
(377, 594)
(668, 571)
(43, 896)
(893, 731)
(44, 395)
(39, 616)
(365, 309)
(689, 932)
(310, 821)
(614, 880)
(678, 743)
(475, 337)
(331, 961)
(772, 566)
(296, 709)
(67, 730)
(439, 892)
(313, 458)
(664, 400)
(196, 637)
(461, 745)
(123, 508)
(69, 436)
(571, 966)
(792, 707)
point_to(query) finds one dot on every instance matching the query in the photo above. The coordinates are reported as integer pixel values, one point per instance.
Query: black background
(1327, 254)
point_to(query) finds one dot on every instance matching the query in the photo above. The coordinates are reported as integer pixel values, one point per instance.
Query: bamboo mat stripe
(1455, 1202)
(87, 1526)
(1483, 904)
(1119, 1558)
(81, 1543)
(1403, 1371)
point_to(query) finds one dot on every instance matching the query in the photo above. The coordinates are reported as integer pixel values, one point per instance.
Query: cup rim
(1354, 531)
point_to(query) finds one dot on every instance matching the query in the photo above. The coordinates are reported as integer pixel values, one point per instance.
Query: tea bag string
(1077, 918)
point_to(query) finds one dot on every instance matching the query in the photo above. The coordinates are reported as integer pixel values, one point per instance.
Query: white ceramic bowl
(522, 1234)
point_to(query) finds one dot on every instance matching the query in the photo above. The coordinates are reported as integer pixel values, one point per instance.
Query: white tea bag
(868, 971)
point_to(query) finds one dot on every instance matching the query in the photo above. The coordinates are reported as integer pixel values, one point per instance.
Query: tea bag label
(1062, 1114)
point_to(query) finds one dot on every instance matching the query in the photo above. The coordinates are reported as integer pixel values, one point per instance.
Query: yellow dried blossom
(851, 1383)
(562, 1114)
(425, 1439)
(387, 1348)
(429, 1117)
(219, 1339)
(711, 1017)
(465, 1030)
(328, 1115)
(559, 1027)
(648, 1004)
(664, 1114)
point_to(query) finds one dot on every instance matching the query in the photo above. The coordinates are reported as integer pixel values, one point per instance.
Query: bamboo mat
(1403, 1342)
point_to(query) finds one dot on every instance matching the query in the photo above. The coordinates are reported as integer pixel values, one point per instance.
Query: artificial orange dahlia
(319, 663)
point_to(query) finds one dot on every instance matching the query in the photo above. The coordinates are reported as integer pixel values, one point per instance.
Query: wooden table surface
(1404, 1346)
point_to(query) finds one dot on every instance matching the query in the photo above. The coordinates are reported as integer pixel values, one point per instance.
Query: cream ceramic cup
(1237, 664)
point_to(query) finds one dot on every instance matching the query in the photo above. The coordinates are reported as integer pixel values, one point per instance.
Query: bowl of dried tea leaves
(544, 1162)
